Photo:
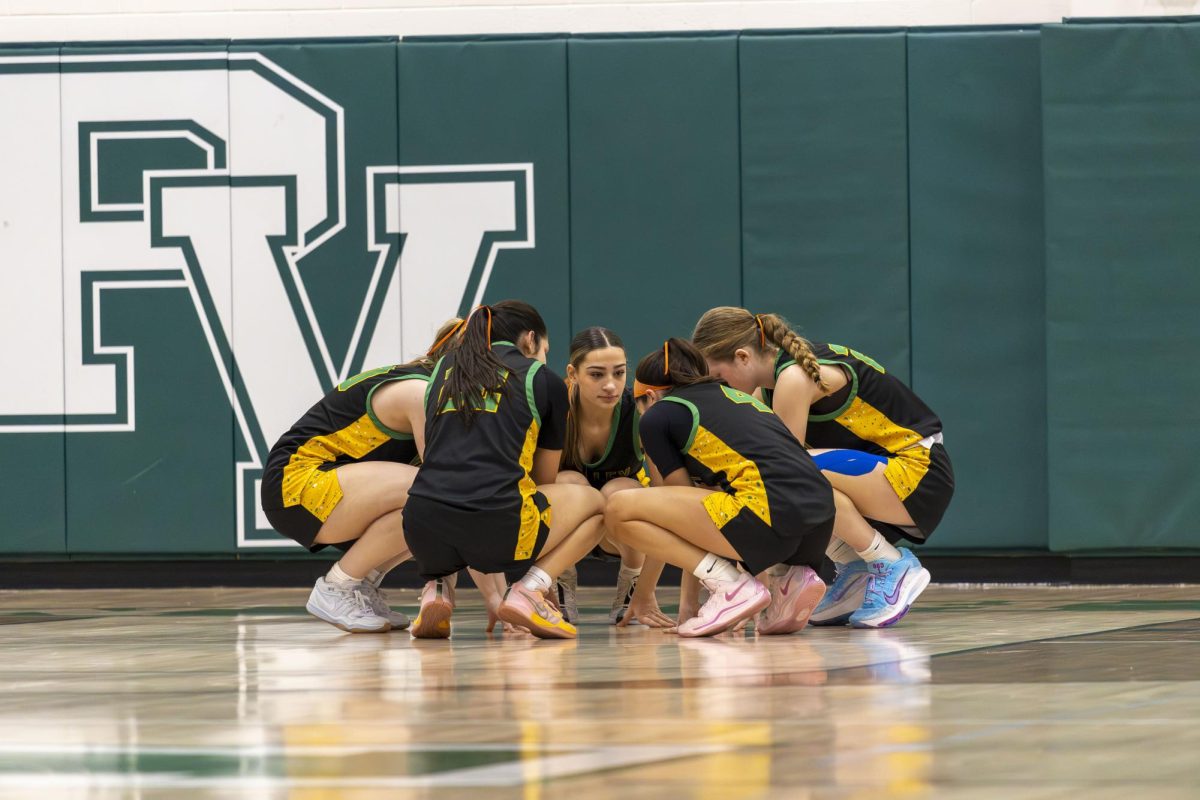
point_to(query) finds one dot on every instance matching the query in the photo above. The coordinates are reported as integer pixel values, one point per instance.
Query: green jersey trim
(612, 437)
(533, 370)
(695, 421)
(371, 411)
(849, 398)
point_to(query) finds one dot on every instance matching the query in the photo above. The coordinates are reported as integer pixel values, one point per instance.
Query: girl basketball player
(485, 496)
(762, 502)
(602, 450)
(876, 441)
(341, 476)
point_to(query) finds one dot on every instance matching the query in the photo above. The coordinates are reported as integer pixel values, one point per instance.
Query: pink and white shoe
(794, 596)
(437, 604)
(528, 609)
(729, 603)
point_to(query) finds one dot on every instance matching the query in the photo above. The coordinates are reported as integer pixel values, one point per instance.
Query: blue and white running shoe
(844, 596)
(892, 588)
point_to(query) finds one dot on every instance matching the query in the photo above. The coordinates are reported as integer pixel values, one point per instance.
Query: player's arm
(550, 397)
(795, 392)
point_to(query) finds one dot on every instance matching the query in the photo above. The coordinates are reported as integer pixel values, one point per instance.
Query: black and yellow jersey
(487, 465)
(340, 429)
(729, 440)
(874, 413)
(622, 456)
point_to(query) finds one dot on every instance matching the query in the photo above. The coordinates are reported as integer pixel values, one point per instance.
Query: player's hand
(646, 611)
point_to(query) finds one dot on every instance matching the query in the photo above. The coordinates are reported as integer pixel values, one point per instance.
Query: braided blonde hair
(722, 331)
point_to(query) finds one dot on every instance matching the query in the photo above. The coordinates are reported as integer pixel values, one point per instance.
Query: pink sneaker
(729, 603)
(437, 604)
(794, 595)
(528, 609)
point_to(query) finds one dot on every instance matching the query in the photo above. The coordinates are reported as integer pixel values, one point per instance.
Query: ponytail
(677, 363)
(776, 330)
(477, 371)
(722, 331)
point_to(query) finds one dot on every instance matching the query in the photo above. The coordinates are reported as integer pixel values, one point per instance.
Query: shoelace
(362, 601)
(873, 580)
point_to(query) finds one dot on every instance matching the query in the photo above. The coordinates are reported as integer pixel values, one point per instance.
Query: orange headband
(666, 359)
(457, 327)
(640, 389)
(762, 333)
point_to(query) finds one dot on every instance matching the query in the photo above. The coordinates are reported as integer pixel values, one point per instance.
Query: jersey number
(846, 351)
(743, 398)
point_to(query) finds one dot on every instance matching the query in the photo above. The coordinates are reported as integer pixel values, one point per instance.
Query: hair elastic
(762, 332)
(667, 358)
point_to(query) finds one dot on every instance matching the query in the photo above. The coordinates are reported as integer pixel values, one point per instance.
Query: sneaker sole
(316, 612)
(745, 612)
(514, 617)
(434, 621)
(910, 597)
(796, 609)
(841, 611)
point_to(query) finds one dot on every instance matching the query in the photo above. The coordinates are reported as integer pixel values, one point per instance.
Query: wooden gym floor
(981, 692)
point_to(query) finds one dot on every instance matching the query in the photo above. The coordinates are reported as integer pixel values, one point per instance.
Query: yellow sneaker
(529, 609)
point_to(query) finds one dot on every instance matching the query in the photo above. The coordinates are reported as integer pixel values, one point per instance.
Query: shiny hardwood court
(981, 692)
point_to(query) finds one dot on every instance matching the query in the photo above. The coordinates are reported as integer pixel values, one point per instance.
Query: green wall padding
(654, 184)
(825, 187)
(1122, 122)
(978, 277)
(34, 519)
(500, 101)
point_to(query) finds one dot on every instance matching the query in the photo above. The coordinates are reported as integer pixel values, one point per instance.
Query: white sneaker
(345, 607)
(626, 583)
(729, 603)
(381, 606)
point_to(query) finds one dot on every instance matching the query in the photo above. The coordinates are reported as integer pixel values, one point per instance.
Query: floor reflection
(236, 694)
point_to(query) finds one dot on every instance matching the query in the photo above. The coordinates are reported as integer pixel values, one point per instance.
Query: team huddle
(746, 457)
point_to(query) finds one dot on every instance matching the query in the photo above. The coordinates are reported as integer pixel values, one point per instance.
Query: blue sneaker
(891, 591)
(845, 595)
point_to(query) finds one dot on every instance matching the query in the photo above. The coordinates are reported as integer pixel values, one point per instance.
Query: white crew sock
(338, 577)
(840, 552)
(880, 549)
(713, 567)
(777, 570)
(629, 572)
(537, 580)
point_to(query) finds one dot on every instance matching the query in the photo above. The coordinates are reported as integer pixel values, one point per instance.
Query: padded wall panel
(315, 286)
(978, 277)
(825, 187)
(484, 206)
(654, 184)
(31, 310)
(1122, 118)
(147, 295)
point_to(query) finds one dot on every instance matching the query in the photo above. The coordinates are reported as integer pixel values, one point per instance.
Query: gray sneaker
(346, 607)
(568, 585)
(380, 605)
(626, 583)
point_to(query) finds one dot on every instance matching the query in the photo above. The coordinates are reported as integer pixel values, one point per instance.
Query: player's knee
(619, 510)
(618, 485)
(842, 502)
(571, 477)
